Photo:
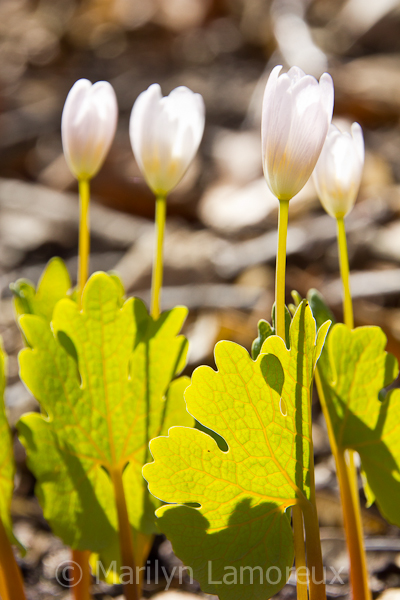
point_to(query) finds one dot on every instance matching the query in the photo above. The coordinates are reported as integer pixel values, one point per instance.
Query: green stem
(313, 543)
(314, 553)
(156, 284)
(281, 269)
(299, 552)
(81, 575)
(11, 585)
(351, 509)
(131, 588)
(346, 471)
(84, 236)
(345, 273)
(297, 517)
(353, 529)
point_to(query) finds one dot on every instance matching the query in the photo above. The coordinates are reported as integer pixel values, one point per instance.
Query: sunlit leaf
(101, 376)
(262, 410)
(53, 285)
(354, 370)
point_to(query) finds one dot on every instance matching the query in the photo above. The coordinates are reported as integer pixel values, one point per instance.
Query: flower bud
(337, 175)
(296, 114)
(165, 135)
(88, 125)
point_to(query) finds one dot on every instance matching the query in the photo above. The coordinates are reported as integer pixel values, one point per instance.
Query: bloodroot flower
(88, 125)
(296, 114)
(165, 135)
(337, 175)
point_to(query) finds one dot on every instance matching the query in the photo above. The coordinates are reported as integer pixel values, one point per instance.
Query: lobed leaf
(53, 285)
(354, 370)
(102, 377)
(237, 521)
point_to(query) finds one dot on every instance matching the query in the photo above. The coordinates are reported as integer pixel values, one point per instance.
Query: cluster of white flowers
(298, 140)
(165, 133)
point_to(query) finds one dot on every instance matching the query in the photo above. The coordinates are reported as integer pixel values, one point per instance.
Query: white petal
(327, 93)
(269, 92)
(295, 73)
(358, 138)
(74, 99)
(72, 106)
(142, 127)
(276, 124)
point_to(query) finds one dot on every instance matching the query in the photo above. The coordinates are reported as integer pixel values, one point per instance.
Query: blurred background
(221, 232)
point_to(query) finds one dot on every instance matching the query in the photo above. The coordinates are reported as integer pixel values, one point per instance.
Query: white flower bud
(88, 125)
(296, 114)
(165, 135)
(337, 175)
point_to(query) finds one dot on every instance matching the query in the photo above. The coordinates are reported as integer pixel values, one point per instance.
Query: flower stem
(131, 588)
(351, 509)
(299, 552)
(161, 209)
(345, 274)
(141, 548)
(313, 543)
(281, 269)
(84, 236)
(11, 586)
(81, 575)
(314, 553)
(297, 517)
(353, 529)
(81, 558)
(346, 471)
(3, 587)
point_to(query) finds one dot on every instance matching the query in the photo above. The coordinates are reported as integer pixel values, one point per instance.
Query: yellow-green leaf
(53, 285)
(354, 371)
(228, 512)
(102, 376)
